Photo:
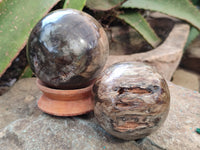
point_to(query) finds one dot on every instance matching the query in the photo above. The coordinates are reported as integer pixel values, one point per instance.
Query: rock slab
(23, 126)
(186, 79)
(165, 58)
(191, 58)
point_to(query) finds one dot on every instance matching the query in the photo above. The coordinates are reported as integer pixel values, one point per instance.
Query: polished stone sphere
(67, 49)
(131, 100)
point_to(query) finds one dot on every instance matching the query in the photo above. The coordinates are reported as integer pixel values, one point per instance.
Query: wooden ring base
(65, 102)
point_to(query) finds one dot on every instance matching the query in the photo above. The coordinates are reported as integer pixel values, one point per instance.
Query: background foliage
(18, 17)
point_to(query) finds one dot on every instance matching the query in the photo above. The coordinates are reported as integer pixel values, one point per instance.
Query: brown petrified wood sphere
(67, 49)
(131, 100)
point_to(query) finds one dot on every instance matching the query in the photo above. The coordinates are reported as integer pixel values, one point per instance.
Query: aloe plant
(75, 4)
(193, 34)
(17, 18)
(182, 9)
(135, 20)
(103, 5)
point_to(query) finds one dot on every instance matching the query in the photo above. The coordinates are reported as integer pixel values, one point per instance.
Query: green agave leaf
(17, 18)
(27, 73)
(75, 4)
(193, 34)
(182, 9)
(103, 4)
(137, 21)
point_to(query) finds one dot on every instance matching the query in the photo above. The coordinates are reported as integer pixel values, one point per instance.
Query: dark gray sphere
(131, 100)
(67, 49)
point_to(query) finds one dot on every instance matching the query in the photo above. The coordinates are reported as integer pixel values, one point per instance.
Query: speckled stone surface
(131, 100)
(67, 49)
(23, 126)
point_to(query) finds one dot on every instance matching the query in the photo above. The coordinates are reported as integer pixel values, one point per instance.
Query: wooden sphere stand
(65, 102)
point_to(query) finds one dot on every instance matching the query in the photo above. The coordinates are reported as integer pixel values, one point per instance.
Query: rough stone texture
(178, 131)
(19, 102)
(67, 49)
(191, 59)
(165, 57)
(186, 79)
(24, 126)
(51, 133)
(131, 100)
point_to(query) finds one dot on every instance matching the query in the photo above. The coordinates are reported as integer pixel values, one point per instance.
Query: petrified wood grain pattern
(67, 49)
(131, 100)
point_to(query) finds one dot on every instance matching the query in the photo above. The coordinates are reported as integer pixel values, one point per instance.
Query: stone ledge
(24, 126)
(165, 57)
